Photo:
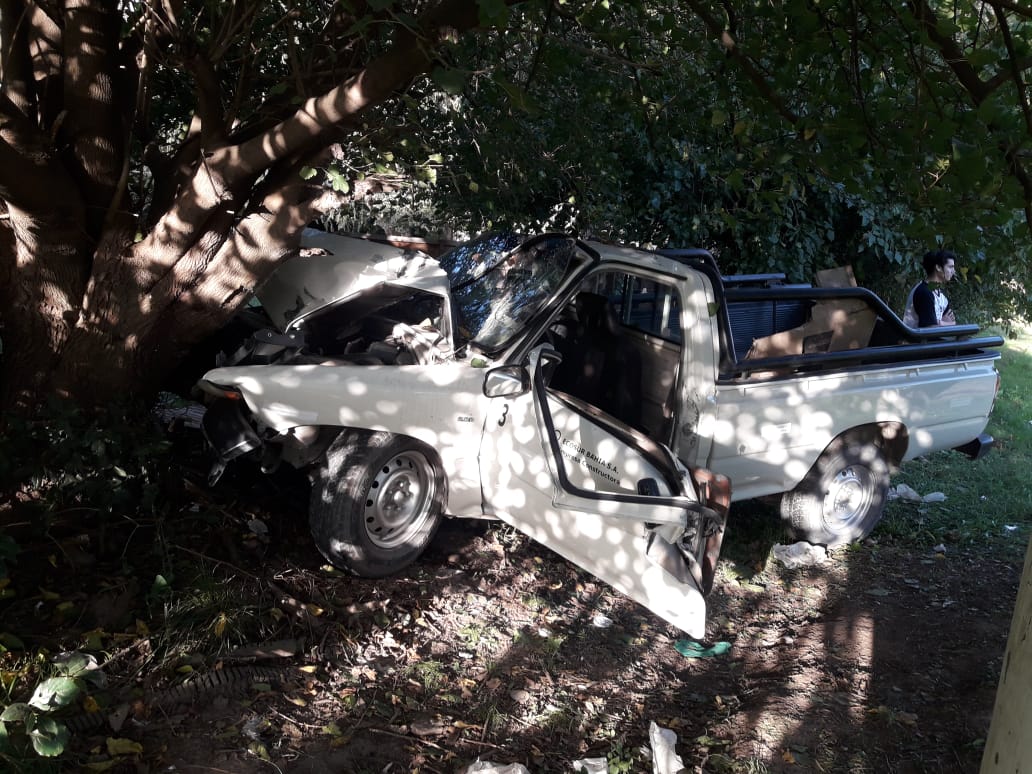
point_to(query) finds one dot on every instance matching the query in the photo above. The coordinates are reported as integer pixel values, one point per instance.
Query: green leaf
(15, 713)
(338, 181)
(519, 97)
(119, 746)
(493, 13)
(307, 173)
(49, 737)
(160, 586)
(11, 642)
(719, 118)
(451, 80)
(54, 693)
(75, 664)
(968, 163)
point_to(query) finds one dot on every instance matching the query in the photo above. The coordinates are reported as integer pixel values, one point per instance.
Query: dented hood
(346, 267)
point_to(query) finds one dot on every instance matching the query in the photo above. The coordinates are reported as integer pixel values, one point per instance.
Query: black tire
(842, 498)
(376, 502)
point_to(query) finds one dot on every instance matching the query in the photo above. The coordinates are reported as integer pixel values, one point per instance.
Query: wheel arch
(842, 498)
(891, 436)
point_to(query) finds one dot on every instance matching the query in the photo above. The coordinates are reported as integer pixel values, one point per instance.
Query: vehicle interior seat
(599, 365)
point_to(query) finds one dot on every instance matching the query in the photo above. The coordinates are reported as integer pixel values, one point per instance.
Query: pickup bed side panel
(767, 435)
(442, 405)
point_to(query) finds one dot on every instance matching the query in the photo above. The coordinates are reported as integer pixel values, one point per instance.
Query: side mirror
(506, 382)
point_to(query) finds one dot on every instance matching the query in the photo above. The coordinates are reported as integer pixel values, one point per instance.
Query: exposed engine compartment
(390, 326)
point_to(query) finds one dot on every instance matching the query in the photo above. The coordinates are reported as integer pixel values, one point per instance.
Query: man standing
(927, 305)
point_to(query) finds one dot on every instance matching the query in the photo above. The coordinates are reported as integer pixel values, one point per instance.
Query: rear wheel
(842, 498)
(376, 502)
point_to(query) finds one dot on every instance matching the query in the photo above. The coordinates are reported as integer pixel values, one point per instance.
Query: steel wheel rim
(849, 498)
(399, 502)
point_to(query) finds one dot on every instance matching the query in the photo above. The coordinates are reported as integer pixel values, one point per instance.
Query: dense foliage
(820, 136)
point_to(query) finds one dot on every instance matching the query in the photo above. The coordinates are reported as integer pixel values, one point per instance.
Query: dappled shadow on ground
(491, 647)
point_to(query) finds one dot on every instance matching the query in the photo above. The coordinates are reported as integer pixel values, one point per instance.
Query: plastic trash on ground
(934, 497)
(591, 766)
(801, 554)
(170, 409)
(695, 649)
(665, 759)
(904, 492)
(487, 767)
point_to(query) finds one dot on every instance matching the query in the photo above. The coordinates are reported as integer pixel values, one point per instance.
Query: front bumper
(228, 432)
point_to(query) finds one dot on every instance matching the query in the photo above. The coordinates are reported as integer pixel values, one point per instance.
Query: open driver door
(601, 494)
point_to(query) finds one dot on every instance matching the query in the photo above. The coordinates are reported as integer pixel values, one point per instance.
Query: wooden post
(1009, 747)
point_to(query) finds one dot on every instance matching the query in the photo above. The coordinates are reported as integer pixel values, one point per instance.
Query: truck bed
(749, 314)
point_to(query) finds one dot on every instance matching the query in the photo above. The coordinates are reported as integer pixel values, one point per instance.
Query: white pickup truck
(595, 397)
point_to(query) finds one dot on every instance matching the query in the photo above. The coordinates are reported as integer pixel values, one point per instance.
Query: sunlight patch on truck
(585, 458)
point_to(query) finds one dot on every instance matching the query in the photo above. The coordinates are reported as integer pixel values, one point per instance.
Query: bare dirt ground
(885, 659)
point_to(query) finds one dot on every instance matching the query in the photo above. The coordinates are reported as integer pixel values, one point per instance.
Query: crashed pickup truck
(592, 396)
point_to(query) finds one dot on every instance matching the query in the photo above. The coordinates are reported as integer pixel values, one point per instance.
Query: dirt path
(882, 660)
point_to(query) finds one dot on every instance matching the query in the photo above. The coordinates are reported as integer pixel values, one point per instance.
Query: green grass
(989, 501)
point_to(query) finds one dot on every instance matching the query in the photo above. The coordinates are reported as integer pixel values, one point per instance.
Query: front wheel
(376, 502)
(842, 498)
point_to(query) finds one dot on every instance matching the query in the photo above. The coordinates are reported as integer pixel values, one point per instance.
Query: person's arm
(924, 306)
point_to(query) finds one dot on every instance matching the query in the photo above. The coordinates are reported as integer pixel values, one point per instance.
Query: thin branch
(1024, 179)
(1019, 84)
(1015, 161)
(540, 49)
(1022, 64)
(950, 50)
(410, 55)
(717, 30)
(233, 25)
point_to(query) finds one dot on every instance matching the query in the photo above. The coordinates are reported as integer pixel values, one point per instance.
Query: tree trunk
(92, 310)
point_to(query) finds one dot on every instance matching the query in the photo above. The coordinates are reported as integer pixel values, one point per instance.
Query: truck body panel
(766, 436)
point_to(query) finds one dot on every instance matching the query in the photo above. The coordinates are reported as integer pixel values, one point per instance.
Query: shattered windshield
(499, 283)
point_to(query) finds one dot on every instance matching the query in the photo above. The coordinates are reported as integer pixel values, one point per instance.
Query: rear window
(642, 304)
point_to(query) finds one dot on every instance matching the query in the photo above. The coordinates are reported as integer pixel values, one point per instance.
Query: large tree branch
(1018, 8)
(15, 62)
(318, 120)
(209, 103)
(95, 128)
(950, 50)
(47, 61)
(31, 178)
(221, 179)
